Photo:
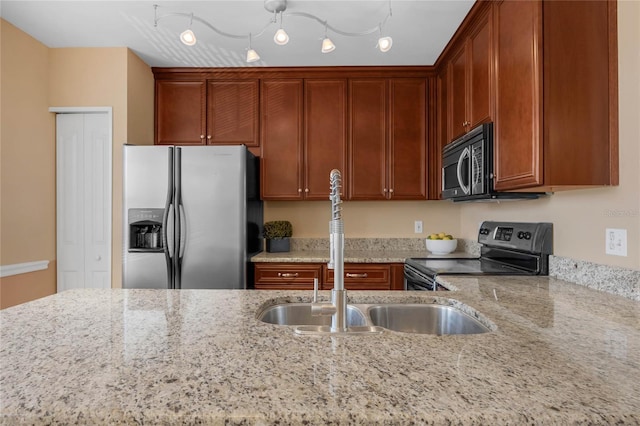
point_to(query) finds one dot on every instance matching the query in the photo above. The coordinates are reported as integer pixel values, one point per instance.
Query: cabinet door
(480, 62)
(435, 161)
(457, 94)
(360, 276)
(517, 132)
(232, 112)
(325, 139)
(281, 134)
(287, 276)
(180, 112)
(368, 139)
(407, 158)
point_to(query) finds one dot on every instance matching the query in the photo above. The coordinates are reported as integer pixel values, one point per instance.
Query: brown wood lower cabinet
(287, 276)
(299, 276)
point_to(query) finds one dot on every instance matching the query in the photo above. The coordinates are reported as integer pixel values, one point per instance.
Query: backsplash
(360, 244)
(611, 279)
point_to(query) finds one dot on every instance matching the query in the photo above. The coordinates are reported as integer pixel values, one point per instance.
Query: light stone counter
(561, 354)
(350, 256)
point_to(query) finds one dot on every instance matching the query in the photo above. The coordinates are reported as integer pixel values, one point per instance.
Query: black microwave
(467, 168)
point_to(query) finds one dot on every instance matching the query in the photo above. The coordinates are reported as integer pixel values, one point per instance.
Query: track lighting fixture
(327, 44)
(280, 37)
(384, 44)
(252, 55)
(187, 36)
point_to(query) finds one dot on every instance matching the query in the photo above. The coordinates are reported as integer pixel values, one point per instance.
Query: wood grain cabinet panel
(470, 99)
(556, 114)
(325, 135)
(287, 276)
(282, 160)
(361, 276)
(180, 112)
(388, 139)
(232, 112)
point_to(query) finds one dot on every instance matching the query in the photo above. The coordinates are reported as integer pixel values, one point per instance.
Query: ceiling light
(281, 37)
(384, 44)
(252, 55)
(327, 45)
(188, 38)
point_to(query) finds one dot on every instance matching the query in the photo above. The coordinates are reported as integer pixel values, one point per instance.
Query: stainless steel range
(507, 248)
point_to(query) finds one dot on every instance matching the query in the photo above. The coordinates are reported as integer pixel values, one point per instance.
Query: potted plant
(277, 234)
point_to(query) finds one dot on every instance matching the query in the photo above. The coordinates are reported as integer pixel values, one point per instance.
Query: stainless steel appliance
(192, 216)
(507, 248)
(467, 169)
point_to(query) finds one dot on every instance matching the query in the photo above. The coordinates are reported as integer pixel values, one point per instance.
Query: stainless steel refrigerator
(192, 216)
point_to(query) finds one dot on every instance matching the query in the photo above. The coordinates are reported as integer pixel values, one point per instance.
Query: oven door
(415, 280)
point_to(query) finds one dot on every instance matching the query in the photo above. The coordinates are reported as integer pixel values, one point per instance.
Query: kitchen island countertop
(560, 353)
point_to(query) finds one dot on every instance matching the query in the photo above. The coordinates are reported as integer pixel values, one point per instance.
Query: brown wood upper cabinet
(556, 94)
(469, 79)
(387, 138)
(207, 112)
(304, 137)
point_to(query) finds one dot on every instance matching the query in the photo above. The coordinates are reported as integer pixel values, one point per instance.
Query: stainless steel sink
(424, 319)
(369, 318)
(300, 314)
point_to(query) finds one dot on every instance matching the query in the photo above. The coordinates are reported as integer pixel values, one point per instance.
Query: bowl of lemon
(441, 243)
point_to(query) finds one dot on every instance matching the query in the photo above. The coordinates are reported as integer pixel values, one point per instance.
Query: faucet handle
(315, 290)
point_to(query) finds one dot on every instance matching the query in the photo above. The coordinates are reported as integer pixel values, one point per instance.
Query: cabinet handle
(391, 191)
(288, 275)
(299, 190)
(384, 190)
(466, 123)
(306, 190)
(209, 138)
(201, 138)
(348, 275)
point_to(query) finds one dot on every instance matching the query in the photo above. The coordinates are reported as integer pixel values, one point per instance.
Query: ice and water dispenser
(145, 230)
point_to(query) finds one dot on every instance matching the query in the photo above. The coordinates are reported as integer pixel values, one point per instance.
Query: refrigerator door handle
(167, 237)
(179, 219)
(183, 232)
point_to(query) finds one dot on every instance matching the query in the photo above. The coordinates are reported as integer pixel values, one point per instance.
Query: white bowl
(441, 246)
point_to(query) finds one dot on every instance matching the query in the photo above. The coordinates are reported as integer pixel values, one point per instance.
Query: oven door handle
(465, 154)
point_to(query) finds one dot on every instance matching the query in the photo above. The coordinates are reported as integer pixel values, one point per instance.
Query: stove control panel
(531, 237)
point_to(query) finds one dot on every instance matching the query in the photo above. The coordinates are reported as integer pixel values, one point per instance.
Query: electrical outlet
(417, 227)
(616, 242)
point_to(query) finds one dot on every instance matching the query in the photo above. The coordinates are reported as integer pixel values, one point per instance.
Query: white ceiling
(420, 30)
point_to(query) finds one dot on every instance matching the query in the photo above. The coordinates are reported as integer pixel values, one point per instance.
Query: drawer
(360, 276)
(286, 276)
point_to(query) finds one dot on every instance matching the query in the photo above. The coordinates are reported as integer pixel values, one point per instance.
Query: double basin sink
(399, 317)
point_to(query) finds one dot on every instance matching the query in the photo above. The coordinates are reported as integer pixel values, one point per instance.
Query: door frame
(88, 110)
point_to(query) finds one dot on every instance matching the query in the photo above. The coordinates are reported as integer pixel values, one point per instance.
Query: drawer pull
(288, 275)
(348, 275)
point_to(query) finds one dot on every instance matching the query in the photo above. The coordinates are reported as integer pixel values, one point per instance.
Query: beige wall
(34, 78)
(113, 77)
(27, 165)
(310, 219)
(581, 217)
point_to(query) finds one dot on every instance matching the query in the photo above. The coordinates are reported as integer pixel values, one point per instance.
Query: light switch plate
(616, 242)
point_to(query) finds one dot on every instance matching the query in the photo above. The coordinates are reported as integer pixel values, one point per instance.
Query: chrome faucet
(336, 255)
(338, 306)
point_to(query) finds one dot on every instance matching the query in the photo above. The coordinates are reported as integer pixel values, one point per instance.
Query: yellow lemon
(441, 235)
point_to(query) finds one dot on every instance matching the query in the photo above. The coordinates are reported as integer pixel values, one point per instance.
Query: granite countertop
(560, 353)
(351, 256)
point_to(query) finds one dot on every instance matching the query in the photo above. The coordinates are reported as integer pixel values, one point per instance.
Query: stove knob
(527, 235)
(484, 231)
(520, 235)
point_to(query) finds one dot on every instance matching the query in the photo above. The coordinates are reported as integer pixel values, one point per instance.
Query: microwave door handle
(465, 188)
(476, 170)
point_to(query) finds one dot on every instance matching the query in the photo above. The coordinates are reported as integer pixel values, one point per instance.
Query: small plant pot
(278, 245)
